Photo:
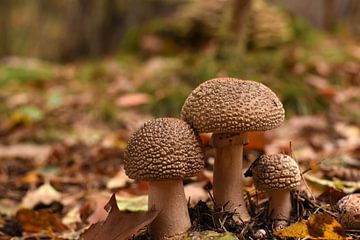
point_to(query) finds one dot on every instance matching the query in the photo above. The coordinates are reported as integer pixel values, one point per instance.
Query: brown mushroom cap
(275, 172)
(163, 149)
(230, 105)
(349, 208)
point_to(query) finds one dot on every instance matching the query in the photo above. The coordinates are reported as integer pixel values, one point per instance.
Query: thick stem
(280, 204)
(228, 184)
(168, 197)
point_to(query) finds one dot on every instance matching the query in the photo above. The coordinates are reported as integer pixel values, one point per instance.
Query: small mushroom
(164, 151)
(349, 211)
(228, 108)
(276, 174)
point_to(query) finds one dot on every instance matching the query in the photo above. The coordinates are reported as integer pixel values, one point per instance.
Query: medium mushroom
(164, 151)
(229, 108)
(349, 211)
(276, 174)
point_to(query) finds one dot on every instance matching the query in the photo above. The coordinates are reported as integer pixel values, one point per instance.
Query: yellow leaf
(320, 226)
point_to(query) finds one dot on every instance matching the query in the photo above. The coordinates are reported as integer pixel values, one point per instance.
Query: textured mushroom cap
(230, 105)
(349, 208)
(163, 149)
(275, 172)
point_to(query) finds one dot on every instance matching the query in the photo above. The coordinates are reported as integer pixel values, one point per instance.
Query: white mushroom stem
(228, 184)
(280, 204)
(168, 197)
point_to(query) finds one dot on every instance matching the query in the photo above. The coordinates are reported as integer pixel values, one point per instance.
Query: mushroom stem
(168, 197)
(280, 204)
(228, 184)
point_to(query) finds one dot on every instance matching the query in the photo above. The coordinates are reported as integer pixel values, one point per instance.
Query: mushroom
(229, 107)
(349, 211)
(276, 174)
(164, 151)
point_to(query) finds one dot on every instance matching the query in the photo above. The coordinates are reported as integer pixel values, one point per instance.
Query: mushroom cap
(163, 149)
(275, 172)
(230, 105)
(349, 209)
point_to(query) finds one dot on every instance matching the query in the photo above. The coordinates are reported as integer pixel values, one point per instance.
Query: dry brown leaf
(322, 85)
(320, 226)
(36, 221)
(97, 203)
(118, 225)
(257, 141)
(331, 196)
(39, 153)
(132, 100)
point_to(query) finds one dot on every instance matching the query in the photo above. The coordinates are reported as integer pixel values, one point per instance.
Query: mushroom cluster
(164, 151)
(229, 108)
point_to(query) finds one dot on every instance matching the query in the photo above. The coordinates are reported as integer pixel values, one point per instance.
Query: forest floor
(64, 128)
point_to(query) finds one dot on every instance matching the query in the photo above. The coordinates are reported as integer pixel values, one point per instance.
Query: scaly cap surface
(349, 209)
(163, 149)
(275, 172)
(230, 105)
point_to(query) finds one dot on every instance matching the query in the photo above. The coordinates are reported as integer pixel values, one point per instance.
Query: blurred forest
(77, 77)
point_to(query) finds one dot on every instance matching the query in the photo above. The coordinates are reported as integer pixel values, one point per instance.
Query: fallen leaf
(96, 203)
(27, 115)
(45, 194)
(39, 153)
(138, 189)
(320, 226)
(120, 180)
(331, 196)
(71, 235)
(322, 85)
(196, 192)
(132, 100)
(8, 207)
(133, 204)
(118, 225)
(256, 141)
(31, 178)
(73, 216)
(210, 235)
(345, 186)
(36, 221)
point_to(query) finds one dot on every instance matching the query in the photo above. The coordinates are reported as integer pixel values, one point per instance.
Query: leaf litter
(118, 225)
(72, 141)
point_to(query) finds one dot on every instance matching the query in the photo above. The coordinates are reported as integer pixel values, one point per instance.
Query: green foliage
(54, 100)
(24, 75)
(304, 33)
(130, 41)
(26, 114)
(91, 72)
(170, 101)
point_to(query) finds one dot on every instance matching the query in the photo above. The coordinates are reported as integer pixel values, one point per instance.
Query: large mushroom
(229, 108)
(276, 174)
(164, 151)
(349, 211)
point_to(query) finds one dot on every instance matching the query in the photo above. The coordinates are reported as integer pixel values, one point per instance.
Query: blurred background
(77, 77)
(161, 49)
